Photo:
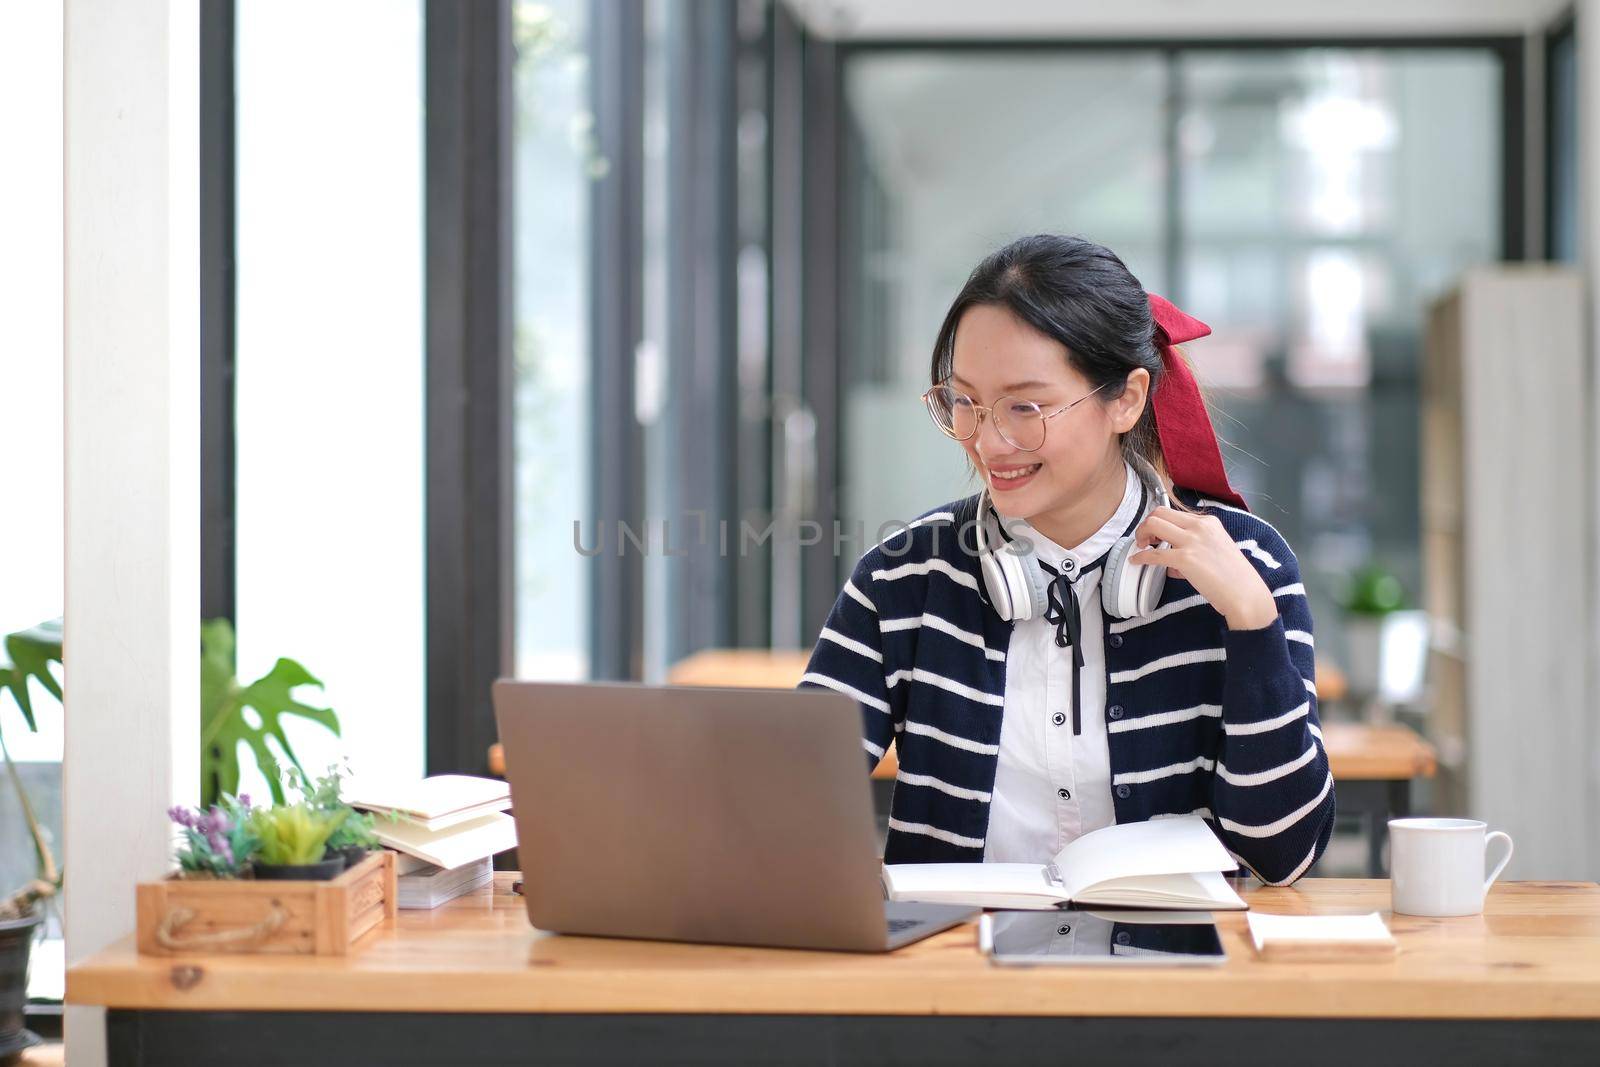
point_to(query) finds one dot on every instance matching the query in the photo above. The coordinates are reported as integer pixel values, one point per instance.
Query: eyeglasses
(1020, 422)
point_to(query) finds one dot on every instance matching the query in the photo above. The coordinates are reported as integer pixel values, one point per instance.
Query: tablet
(1101, 938)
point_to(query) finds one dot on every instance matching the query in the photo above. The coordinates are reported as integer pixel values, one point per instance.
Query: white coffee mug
(1436, 865)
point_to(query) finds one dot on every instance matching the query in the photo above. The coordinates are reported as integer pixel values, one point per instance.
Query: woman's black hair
(1080, 294)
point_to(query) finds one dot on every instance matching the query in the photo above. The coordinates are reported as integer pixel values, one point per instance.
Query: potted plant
(25, 659)
(28, 655)
(1371, 595)
(218, 843)
(356, 835)
(210, 904)
(292, 843)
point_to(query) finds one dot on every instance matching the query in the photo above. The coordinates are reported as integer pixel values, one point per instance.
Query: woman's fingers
(1178, 518)
(1157, 557)
(1158, 528)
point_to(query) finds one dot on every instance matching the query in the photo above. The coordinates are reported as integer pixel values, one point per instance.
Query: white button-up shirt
(1051, 787)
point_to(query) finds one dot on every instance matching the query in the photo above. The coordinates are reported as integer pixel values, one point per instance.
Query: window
(1312, 240)
(329, 386)
(1561, 97)
(31, 433)
(555, 160)
(1286, 196)
(947, 157)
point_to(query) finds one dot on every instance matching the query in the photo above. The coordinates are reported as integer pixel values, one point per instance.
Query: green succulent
(294, 835)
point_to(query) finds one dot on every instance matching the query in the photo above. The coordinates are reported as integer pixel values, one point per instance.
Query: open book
(434, 803)
(448, 820)
(455, 845)
(1164, 863)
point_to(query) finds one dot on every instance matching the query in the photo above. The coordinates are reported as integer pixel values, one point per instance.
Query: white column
(132, 459)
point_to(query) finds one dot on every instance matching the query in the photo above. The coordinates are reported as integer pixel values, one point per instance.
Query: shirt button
(1122, 792)
(1063, 929)
(1115, 640)
(1069, 565)
(1115, 711)
(1123, 937)
(1064, 794)
(1058, 718)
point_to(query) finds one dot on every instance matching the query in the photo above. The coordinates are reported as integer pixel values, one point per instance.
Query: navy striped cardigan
(1200, 718)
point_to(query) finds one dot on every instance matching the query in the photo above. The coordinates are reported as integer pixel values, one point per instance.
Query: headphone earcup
(1028, 584)
(1130, 590)
(1119, 585)
(1014, 580)
(1151, 583)
(995, 581)
(1112, 600)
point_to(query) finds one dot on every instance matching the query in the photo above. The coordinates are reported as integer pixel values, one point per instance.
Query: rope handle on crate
(176, 919)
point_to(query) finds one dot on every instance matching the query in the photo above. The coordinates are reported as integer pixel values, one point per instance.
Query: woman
(1104, 633)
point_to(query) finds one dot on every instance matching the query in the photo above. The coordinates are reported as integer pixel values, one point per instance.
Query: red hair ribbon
(1188, 441)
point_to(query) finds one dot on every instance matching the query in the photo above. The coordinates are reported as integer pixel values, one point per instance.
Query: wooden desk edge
(940, 976)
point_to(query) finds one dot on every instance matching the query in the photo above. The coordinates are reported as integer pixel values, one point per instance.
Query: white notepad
(1320, 936)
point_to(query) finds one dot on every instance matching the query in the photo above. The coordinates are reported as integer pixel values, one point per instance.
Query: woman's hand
(1204, 554)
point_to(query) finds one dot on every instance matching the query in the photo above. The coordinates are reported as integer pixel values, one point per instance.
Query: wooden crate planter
(179, 917)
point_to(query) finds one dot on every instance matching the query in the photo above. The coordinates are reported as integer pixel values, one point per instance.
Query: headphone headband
(1016, 588)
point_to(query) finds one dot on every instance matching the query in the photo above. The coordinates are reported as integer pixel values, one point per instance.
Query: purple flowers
(218, 841)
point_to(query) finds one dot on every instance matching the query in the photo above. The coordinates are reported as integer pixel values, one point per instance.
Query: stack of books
(447, 829)
(423, 885)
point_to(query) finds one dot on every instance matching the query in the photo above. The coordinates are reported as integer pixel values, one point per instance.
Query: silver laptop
(738, 816)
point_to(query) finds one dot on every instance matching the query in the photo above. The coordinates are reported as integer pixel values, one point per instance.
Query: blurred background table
(1373, 765)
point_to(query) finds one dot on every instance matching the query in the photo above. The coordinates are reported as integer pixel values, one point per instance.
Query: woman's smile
(1013, 477)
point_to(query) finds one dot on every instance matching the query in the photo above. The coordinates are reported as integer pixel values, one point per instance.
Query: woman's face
(995, 355)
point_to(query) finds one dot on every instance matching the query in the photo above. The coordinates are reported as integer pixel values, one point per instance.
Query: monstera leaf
(225, 724)
(31, 652)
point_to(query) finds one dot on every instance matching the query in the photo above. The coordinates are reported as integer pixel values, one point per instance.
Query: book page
(1201, 889)
(1126, 850)
(477, 811)
(978, 884)
(464, 843)
(427, 798)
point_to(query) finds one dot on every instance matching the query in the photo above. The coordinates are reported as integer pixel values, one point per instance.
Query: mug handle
(1489, 881)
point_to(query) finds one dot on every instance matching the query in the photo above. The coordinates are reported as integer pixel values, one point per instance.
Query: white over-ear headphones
(1018, 586)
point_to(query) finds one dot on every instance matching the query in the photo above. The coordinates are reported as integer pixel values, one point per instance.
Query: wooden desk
(1521, 983)
(752, 668)
(1363, 752)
